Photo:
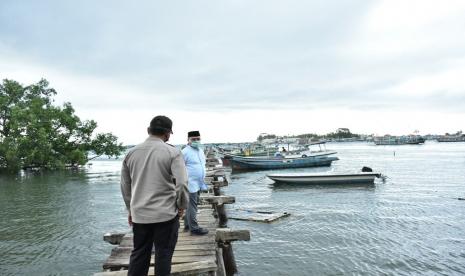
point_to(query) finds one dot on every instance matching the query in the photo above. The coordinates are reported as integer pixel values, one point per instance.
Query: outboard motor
(367, 169)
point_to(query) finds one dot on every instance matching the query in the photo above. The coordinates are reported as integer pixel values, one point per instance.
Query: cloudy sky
(234, 69)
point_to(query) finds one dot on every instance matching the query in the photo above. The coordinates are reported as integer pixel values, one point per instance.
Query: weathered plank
(126, 251)
(187, 247)
(216, 171)
(116, 262)
(229, 235)
(194, 268)
(113, 238)
(219, 183)
(199, 240)
(258, 216)
(219, 200)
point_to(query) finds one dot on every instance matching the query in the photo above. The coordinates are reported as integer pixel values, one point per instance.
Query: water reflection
(52, 221)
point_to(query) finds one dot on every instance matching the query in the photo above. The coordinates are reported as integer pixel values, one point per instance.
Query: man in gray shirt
(154, 189)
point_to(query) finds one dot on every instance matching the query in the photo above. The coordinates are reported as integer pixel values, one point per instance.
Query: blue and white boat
(302, 160)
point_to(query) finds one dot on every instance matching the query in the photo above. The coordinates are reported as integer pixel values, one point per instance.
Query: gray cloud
(217, 55)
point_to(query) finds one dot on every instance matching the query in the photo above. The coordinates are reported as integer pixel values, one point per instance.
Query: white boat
(308, 178)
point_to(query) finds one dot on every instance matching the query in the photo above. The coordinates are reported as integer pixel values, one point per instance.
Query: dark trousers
(190, 219)
(163, 236)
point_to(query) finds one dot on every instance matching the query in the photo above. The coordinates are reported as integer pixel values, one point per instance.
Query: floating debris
(256, 215)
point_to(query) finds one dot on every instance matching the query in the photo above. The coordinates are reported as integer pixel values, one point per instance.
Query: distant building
(343, 130)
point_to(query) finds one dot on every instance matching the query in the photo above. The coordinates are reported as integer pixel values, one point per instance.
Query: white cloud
(237, 68)
(408, 29)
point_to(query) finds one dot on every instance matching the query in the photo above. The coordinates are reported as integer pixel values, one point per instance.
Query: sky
(235, 69)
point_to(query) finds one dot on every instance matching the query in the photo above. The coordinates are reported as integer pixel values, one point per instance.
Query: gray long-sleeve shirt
(154, 181)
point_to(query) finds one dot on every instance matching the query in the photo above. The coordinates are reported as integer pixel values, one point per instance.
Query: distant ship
(399, 140)
(458, 137)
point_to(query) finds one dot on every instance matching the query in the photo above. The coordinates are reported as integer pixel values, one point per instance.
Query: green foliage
(267, 136)
(34, 133)
(340, 135)
(308, 135)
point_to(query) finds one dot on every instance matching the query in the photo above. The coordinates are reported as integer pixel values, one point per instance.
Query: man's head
(193, 138)
(161, 126)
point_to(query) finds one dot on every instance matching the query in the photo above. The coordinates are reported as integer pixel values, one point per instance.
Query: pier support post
(220, 210)
(228, 258)
(222, 217)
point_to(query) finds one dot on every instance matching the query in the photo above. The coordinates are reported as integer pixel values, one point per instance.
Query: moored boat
(282, 162)
(399, 140)
(309, 178)
(458, 137)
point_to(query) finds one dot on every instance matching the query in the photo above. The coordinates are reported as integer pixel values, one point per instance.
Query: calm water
(413, 224)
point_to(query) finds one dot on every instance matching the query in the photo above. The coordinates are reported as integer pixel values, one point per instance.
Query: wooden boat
(283, 162)
(357, 178)
(252, 150)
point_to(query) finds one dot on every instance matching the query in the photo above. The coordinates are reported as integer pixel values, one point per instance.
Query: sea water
(411, 224)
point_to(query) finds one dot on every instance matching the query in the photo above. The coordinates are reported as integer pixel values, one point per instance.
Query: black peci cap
(161, 124)
(194, 133)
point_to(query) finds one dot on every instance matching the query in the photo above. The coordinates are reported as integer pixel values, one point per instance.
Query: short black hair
(160, 125)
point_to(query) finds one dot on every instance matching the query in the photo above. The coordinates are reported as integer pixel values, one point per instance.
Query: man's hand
(129, 220)
(180, 212)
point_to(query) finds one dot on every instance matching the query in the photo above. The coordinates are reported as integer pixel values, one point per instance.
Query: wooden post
(222, 217)
(228, 258)
(221, 271)
(217, 192)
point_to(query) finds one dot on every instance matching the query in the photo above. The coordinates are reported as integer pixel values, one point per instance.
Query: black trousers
(163, 236)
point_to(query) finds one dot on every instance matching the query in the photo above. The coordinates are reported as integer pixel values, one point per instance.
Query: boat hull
(451, 139)
(284, 163)
(365, 178)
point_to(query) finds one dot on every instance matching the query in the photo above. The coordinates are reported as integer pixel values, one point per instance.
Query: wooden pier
(210, 254)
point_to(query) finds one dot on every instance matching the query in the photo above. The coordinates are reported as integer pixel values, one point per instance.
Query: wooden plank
(188, 247)
(219, 183)
(210, 226)
(113, 238)
(187, 236)
(210, 219)
(258, 217)
(219, 200)
(200, 240)
(194, 239)
(228, 235)
(116, 262)
(194, 268)
(215, 172)
(123, 251)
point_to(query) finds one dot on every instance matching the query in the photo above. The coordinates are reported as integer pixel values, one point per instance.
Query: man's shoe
(200, 231)
(186, 228)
